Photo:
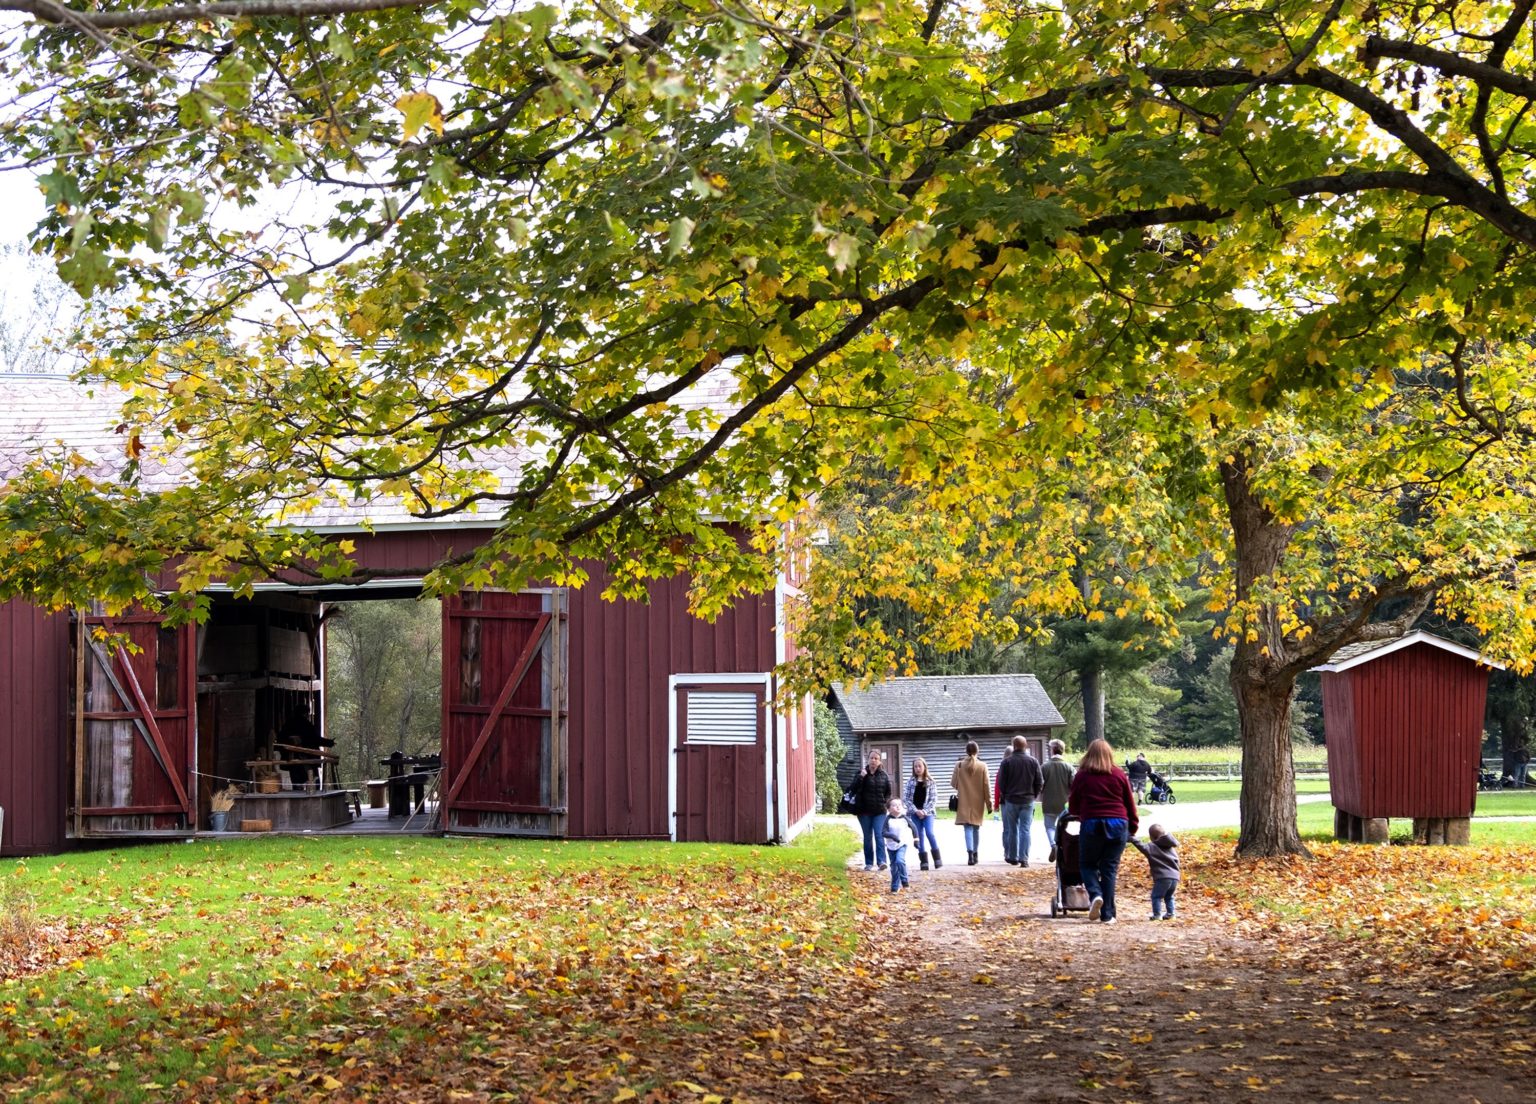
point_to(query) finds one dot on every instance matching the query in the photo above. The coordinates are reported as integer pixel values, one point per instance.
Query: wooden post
(1341, 825)
(78, 702)
(1420, 831)
(1377, 830)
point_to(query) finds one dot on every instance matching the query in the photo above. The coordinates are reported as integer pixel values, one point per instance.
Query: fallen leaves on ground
(460, 973)
(39, 947)
(1465, 914)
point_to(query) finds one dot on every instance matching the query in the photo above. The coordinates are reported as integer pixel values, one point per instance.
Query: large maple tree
(674, 254)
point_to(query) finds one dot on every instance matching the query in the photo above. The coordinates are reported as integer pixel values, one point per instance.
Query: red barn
(1404, 724)
(563, 716)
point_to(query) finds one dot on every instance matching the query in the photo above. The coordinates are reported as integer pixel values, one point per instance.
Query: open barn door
(504, 713)
(134, 745)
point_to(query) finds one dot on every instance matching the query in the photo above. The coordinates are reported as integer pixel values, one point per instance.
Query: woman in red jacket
(1101, 798)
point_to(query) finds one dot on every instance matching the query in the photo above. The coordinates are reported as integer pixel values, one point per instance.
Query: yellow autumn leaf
(421, 109)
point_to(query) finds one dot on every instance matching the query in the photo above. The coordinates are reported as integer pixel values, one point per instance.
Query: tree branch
(1452, 64)
(49, 11)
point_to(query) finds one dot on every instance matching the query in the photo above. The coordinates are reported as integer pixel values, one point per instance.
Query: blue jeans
(1099, 855)
(1050, 827)
(972, 836)
(1018, 816)
(898, 868)
(1163, 890)
(874, 837)
(923, 826)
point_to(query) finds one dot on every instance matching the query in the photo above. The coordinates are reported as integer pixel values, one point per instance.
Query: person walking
(1138, 772)
(1056, 782)
(897, 834)
(871, 792)
(1101, 798)
(918, 798)
(1162, 854)
(972, 783)
(1019, 783)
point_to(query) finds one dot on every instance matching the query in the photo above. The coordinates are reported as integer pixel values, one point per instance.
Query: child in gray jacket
(1163, 857)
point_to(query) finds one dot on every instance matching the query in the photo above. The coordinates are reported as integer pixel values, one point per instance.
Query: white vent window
(721, 717)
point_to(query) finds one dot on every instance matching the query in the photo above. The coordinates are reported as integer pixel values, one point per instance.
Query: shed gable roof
(933, 703)
(1356, 655)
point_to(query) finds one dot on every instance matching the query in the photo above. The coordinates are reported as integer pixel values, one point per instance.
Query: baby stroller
(1161, 792)
(1071, 895)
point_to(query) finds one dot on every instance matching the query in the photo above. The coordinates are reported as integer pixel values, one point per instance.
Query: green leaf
(678, 237)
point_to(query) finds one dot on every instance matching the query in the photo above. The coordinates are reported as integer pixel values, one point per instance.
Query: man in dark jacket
(1138, 772)
(1018, 783)
(1057, 773)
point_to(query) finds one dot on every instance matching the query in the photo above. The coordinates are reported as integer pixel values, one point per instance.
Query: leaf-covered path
(997, 1001)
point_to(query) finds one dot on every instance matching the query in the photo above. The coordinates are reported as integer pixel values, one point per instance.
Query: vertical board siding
(622, 654)
(801, 764)
(1410, 726)
(34, 687)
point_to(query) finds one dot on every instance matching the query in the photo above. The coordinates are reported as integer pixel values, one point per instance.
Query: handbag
(954, 803)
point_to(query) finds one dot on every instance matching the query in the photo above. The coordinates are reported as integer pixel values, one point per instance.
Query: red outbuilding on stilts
(1404, 724)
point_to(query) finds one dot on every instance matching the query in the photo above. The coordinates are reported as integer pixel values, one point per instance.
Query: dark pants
(1163, 890)
(1099, 856)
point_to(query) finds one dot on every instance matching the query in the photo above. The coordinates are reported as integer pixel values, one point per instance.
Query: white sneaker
(1108, 920)
(1095, 908)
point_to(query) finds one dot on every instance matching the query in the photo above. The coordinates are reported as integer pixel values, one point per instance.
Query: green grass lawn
(1199, 790)
(262, 966)
(1315, 821)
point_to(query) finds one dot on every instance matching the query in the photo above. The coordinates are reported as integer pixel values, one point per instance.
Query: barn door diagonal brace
(519, 671)
(145, 721)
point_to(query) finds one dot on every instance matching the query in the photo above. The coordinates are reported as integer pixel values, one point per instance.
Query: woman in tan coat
(972, 784)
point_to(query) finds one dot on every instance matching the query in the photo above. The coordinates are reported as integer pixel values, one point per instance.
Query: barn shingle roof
(949, 703)
(39, 414)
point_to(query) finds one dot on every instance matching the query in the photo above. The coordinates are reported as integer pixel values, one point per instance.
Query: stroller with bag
(1071, 895)
(1161, 792)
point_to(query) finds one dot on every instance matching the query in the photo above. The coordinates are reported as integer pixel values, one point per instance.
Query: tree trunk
(1262, 681)
(1267, 805)
(1092, 681)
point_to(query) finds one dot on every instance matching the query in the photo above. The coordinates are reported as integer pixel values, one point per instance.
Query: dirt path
(997, 1001)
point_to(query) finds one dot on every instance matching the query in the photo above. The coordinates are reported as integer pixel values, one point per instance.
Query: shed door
(134, 747)
(504, 735)
(890, 761)
(722, 791)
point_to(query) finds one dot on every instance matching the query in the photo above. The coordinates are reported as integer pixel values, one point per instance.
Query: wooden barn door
(504, 713)
(721, 790)
(135, 746)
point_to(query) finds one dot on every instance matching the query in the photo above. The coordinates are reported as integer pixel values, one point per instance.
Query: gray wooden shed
(933, 716)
